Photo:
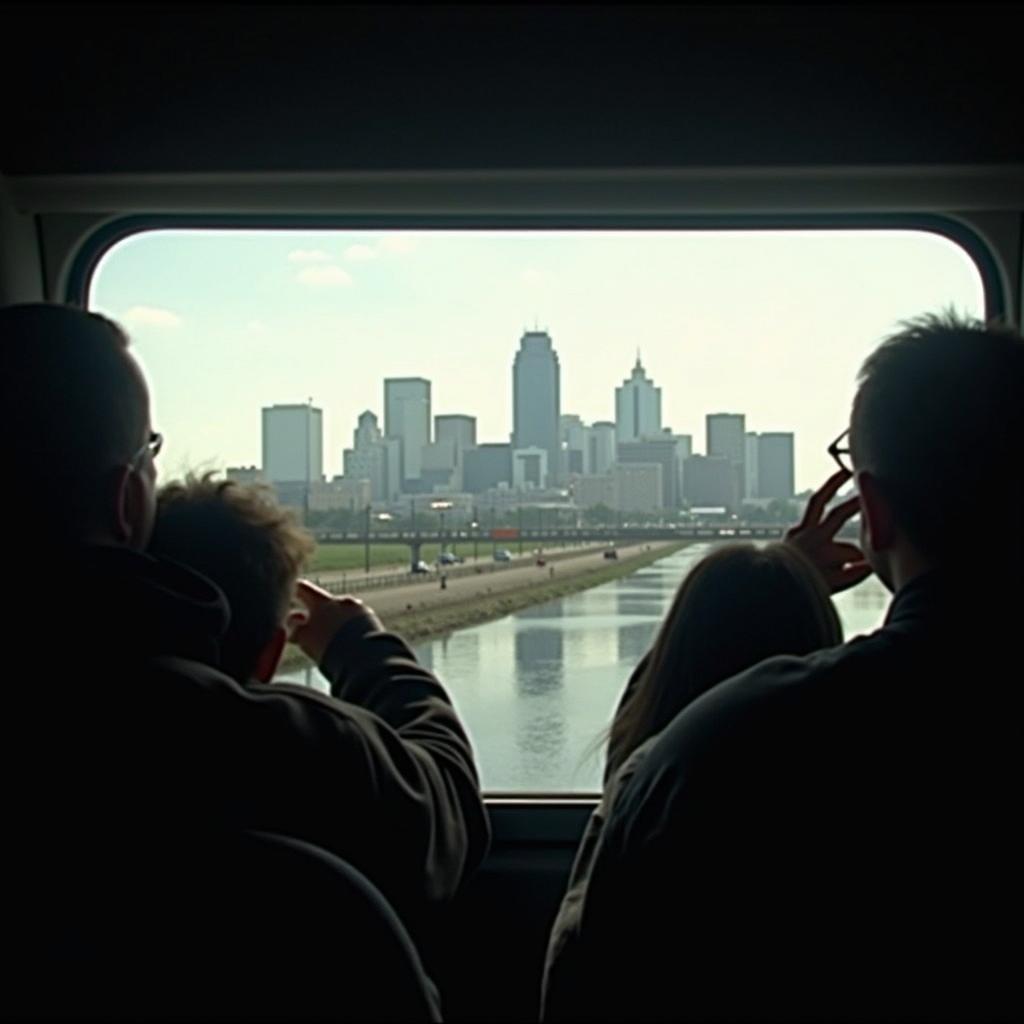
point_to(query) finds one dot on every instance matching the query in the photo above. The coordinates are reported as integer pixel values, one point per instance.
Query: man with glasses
(835, 837)
(124, 741)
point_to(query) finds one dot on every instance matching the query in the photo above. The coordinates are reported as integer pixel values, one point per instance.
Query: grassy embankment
(422, 624)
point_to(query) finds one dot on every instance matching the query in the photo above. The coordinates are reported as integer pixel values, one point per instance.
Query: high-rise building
(637, 406)
(751, 458)
(407, 417)
(662, 451)
(369, 458)
(536, 398)
(530, 468)
(487, 466)
(573, 433)
(600, 447)
(710, 482)
(457, 428)
(293, 444)
(726, 436)
(638, 486)
(775, 465)
(367, 431)
(440, 463)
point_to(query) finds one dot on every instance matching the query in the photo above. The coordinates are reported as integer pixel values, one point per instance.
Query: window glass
(495, 410)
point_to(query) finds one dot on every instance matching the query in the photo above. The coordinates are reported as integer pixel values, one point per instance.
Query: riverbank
(424, 611)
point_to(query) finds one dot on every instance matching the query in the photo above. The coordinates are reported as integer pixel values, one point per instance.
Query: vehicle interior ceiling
(462, 116)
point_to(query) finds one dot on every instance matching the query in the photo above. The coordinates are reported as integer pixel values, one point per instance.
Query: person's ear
(124, 502)
(876, 512)
(266, 664)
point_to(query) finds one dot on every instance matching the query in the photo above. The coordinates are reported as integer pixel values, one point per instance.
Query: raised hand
(325, 615)
(842, 565)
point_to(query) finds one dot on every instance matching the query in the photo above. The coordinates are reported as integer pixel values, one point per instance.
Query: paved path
(392, 600)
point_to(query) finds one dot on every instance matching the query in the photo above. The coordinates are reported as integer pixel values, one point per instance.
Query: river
(536, 689)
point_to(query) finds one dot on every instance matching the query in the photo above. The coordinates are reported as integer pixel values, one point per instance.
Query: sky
(771, 324)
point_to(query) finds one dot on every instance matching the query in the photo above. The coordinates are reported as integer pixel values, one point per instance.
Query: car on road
(611, 553)
(449, 558)
(420, 567)
(503, 555)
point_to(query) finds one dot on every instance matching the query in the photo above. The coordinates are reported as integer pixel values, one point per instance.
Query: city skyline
(773, 324)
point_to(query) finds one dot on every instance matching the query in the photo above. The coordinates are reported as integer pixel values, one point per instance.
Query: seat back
(241, 926)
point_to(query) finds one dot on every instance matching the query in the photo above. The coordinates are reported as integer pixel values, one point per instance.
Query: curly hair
(239, 537)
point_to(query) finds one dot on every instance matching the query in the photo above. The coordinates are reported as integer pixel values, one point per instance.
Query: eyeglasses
(153, 445)
(841, 453)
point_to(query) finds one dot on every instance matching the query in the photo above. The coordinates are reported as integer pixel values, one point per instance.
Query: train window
(515, 443)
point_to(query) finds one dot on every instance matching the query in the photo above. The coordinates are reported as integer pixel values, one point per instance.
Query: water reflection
(537, 689)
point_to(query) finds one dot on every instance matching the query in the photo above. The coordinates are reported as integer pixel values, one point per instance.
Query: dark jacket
(120, 722)
(830, 837)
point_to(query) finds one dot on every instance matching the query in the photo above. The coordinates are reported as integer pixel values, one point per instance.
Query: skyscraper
(726, 438)
(407, 417)
(293, 444)
(751, 457)
(775, 465)
(367, 459)
(637, 406)
(457, 428)
(536, 399)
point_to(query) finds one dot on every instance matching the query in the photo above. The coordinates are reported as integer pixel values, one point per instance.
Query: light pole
(366, 541)
(475, 527)
(520, 529)
(441, 506)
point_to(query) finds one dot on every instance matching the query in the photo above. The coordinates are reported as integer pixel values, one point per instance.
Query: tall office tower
(600, 447)
(637, 406)
(536, 399)
(684, 449)
(726, 437)
(457, 428)
(293, 444)
(407, 417)
(662, 451)
(487, 466)
(751, 488)
(573, 433)
(710, 482)
(368, 458)
(367, 432)
(775, 465)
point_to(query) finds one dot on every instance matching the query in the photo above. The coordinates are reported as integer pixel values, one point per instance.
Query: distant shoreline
(486, 604)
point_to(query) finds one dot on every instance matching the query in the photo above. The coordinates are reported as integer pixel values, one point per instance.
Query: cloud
(256, 327)
(150, 316)
(531, 276)
(308, 256)
(397, 244)
(325, 277)
(360, 253)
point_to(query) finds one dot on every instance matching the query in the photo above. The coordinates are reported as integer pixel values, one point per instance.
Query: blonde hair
(242, 539)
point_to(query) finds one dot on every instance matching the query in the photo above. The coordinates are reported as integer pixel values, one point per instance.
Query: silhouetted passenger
(736, 607)
(835, 836)
(120, 728)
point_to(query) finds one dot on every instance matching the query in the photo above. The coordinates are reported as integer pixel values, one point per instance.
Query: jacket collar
(144, 606)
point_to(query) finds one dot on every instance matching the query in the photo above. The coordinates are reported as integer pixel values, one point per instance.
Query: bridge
(560, 535)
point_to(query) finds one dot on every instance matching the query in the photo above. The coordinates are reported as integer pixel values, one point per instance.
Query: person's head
(239, 537)
(736, 607)
(935, 443)
(75, 416)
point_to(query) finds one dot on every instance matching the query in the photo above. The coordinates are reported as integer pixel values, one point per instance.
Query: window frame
(566, 809)
(101, 240)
